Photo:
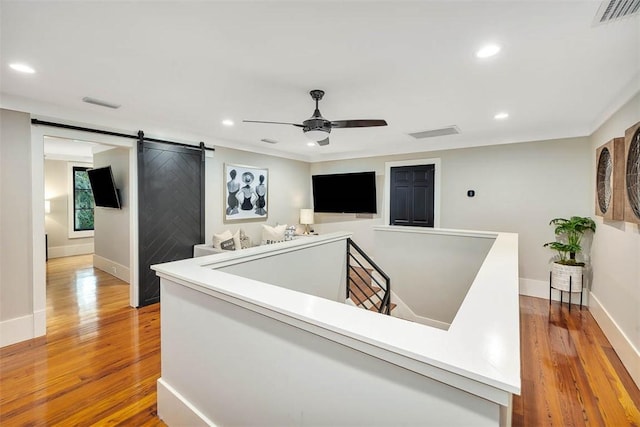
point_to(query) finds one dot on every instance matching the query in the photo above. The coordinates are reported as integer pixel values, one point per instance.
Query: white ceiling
(179, 68)
(71, 149)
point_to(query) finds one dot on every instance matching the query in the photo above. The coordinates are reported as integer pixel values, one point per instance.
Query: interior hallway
(98, 363)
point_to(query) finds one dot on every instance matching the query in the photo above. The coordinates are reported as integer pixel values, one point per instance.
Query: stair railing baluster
(366, 285)
(385, 305)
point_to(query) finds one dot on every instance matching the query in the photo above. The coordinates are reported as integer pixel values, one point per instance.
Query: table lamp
(306, 218)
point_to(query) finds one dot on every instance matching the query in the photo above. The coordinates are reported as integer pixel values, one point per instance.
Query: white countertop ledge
(479, 353)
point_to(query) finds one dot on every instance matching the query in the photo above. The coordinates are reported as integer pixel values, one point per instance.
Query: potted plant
(567, 270)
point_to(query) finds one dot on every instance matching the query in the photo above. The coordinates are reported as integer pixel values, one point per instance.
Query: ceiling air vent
(269, 141)
(612, 10)
(449, 130)
(100, 102)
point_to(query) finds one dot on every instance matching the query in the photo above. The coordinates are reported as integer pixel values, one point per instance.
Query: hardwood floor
(100, 361)
(570, 374)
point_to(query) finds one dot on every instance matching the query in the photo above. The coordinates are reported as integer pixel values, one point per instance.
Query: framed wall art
(610, 180)
(245, 193)
(632, 174)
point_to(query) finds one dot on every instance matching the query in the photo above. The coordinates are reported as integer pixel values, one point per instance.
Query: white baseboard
(403, 311)
(628, 354)
(540, 289)
(111, 267)
(15, 330)
(70, 250)
(175, 410)
(535, 288)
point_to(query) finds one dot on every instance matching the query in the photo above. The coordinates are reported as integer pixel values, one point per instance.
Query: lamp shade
(306, 216)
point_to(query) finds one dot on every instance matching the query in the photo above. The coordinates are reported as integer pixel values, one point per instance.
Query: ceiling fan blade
(273, 123)
(323, 142)
(357, 123)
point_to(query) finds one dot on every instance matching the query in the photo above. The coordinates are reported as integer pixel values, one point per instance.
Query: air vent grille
(449, 130)
(612, 10)
(100, 102)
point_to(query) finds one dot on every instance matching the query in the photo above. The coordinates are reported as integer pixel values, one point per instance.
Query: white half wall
(250, 341)
(319, 271)
(288, 376)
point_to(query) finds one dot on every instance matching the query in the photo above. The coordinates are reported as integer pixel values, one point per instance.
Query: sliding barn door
(171, 209)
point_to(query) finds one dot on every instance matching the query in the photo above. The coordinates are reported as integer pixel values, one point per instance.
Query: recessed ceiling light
(501, 116)
(23, 68)
(488, 51)
(311, 144)
(227, 122)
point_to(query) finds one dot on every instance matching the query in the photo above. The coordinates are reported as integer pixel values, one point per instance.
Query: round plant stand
(566, 278)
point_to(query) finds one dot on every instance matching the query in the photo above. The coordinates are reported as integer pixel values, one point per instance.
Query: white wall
(56, 189)
(251, 369)
(519, 188)
(288, 191)
(616, 260)
(325, 276)
(112, 227)
(430, 273)
(16, 249)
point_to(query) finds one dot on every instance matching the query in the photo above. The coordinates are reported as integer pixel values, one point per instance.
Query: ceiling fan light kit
(317, 128)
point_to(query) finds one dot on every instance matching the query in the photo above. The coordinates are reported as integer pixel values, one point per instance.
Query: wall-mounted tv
(104, 188)
(345, 192)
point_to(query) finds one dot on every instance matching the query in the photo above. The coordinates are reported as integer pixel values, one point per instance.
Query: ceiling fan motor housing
(317, 123)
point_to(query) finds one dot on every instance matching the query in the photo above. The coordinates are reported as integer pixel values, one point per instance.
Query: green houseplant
(566, 273)
(569, 234)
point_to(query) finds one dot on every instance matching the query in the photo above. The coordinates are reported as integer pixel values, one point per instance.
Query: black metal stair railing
(360, 276)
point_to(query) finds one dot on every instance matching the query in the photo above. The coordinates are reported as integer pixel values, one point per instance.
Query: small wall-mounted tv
(104, 188)
(345, 192)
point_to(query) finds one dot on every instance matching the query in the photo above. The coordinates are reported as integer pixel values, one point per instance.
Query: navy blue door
(412, 195)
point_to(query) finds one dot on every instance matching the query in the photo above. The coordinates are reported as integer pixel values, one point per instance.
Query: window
(82, 200)
(79, 201)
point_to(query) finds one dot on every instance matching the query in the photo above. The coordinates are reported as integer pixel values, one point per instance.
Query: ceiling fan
(317, 128)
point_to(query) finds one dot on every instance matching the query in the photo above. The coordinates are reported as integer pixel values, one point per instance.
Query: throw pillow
(245, 241)
(219, 238)
(273, 234)
(228, 245)
(237, 244)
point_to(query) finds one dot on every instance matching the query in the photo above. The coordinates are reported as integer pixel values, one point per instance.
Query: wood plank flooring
(571, 376)
(100, 361)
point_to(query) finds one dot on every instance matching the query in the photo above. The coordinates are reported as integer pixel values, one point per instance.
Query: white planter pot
(560, 275)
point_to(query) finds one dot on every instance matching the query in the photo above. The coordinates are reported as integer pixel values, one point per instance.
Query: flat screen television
(104, 188)
(345, 192)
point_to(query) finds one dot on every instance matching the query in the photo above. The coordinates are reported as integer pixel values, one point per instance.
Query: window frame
(72, 233)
